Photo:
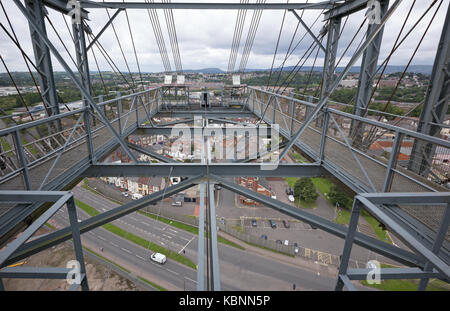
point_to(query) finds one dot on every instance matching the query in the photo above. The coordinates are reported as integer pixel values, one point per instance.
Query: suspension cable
(289, 52)
(134, 47)
(276, 48)
(121, 49)
(16, 87)
(154, 19)
(371, 133)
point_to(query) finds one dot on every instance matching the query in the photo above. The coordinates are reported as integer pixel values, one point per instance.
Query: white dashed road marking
(126, 250)
(176, 273)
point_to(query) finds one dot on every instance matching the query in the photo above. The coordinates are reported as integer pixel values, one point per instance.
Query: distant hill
(424, 69)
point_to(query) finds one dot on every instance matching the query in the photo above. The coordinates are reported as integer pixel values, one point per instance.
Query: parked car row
(272, 223)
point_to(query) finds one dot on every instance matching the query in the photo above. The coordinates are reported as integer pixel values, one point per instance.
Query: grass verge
(136, 239)
(158, 287)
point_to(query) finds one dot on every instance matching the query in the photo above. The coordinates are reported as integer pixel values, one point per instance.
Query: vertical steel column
(83, 68)
(72, 211)
(201, 241)
(274, 110)
(22, 160)
(392, 161)
(440, 236)
(213, 237)
(334, 28)
(435, 105)
(323, 138)
(43, 59)
(292, 112)
(356, 210)
(367, 74)
(119, 112)
(101, 100)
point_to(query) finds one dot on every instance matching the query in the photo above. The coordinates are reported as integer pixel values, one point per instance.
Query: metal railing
(34, 153)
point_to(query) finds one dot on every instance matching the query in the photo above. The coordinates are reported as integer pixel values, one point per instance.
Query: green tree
(305, 190)
(339, 197)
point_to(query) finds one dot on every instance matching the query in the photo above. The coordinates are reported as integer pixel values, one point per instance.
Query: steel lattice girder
(65, 234)
(195, 169)
(207, 6)
(363, 240)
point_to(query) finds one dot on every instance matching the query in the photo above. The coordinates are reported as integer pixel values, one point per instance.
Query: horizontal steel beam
(34, 273)
(61, 6)
(19, 196)
(346, 8)
(223, 113)
(393, 273)
(195, 169)
(206, 6)
(375, 245)
(59, 236)
(265, 131)
(410, 198)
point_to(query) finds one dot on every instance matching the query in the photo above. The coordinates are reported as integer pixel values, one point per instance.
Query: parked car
(272, 224)
(137, 196)
(217, 187)
(158, 257)
(125, 194)
(291, 198)
(279, 242)
(264, 237)
(274, 196)
(289, 191)
(286, 224)
(254, 223)
(296, 248)
(286, 242)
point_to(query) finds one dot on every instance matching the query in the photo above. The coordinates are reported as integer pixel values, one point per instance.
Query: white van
(158, 257)
(137, 196)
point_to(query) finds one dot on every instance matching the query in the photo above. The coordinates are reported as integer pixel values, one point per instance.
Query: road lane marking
(114, 244)
(173, 230)
(140, 257)
(126, 250)
(190, 279)
(101, 238)
(167, 236)
(176, 273)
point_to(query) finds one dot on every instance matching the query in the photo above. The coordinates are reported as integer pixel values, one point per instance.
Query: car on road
(286, 242)
(289, 191)
(264, 237)
(137, 196)
(254, 223)
(272, 224)
(274, 196)
(125, 194)
(279, 242)
(158, 257)
(286, 224)
(291, 198)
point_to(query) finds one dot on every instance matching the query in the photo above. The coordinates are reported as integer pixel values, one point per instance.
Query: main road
(239, 269)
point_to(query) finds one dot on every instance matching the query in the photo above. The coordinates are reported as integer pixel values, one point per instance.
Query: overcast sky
(205, 37)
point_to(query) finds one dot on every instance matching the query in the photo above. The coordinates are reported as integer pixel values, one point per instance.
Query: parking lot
(292, 234)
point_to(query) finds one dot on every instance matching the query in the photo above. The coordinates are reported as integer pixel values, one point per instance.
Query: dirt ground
(100, 278)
